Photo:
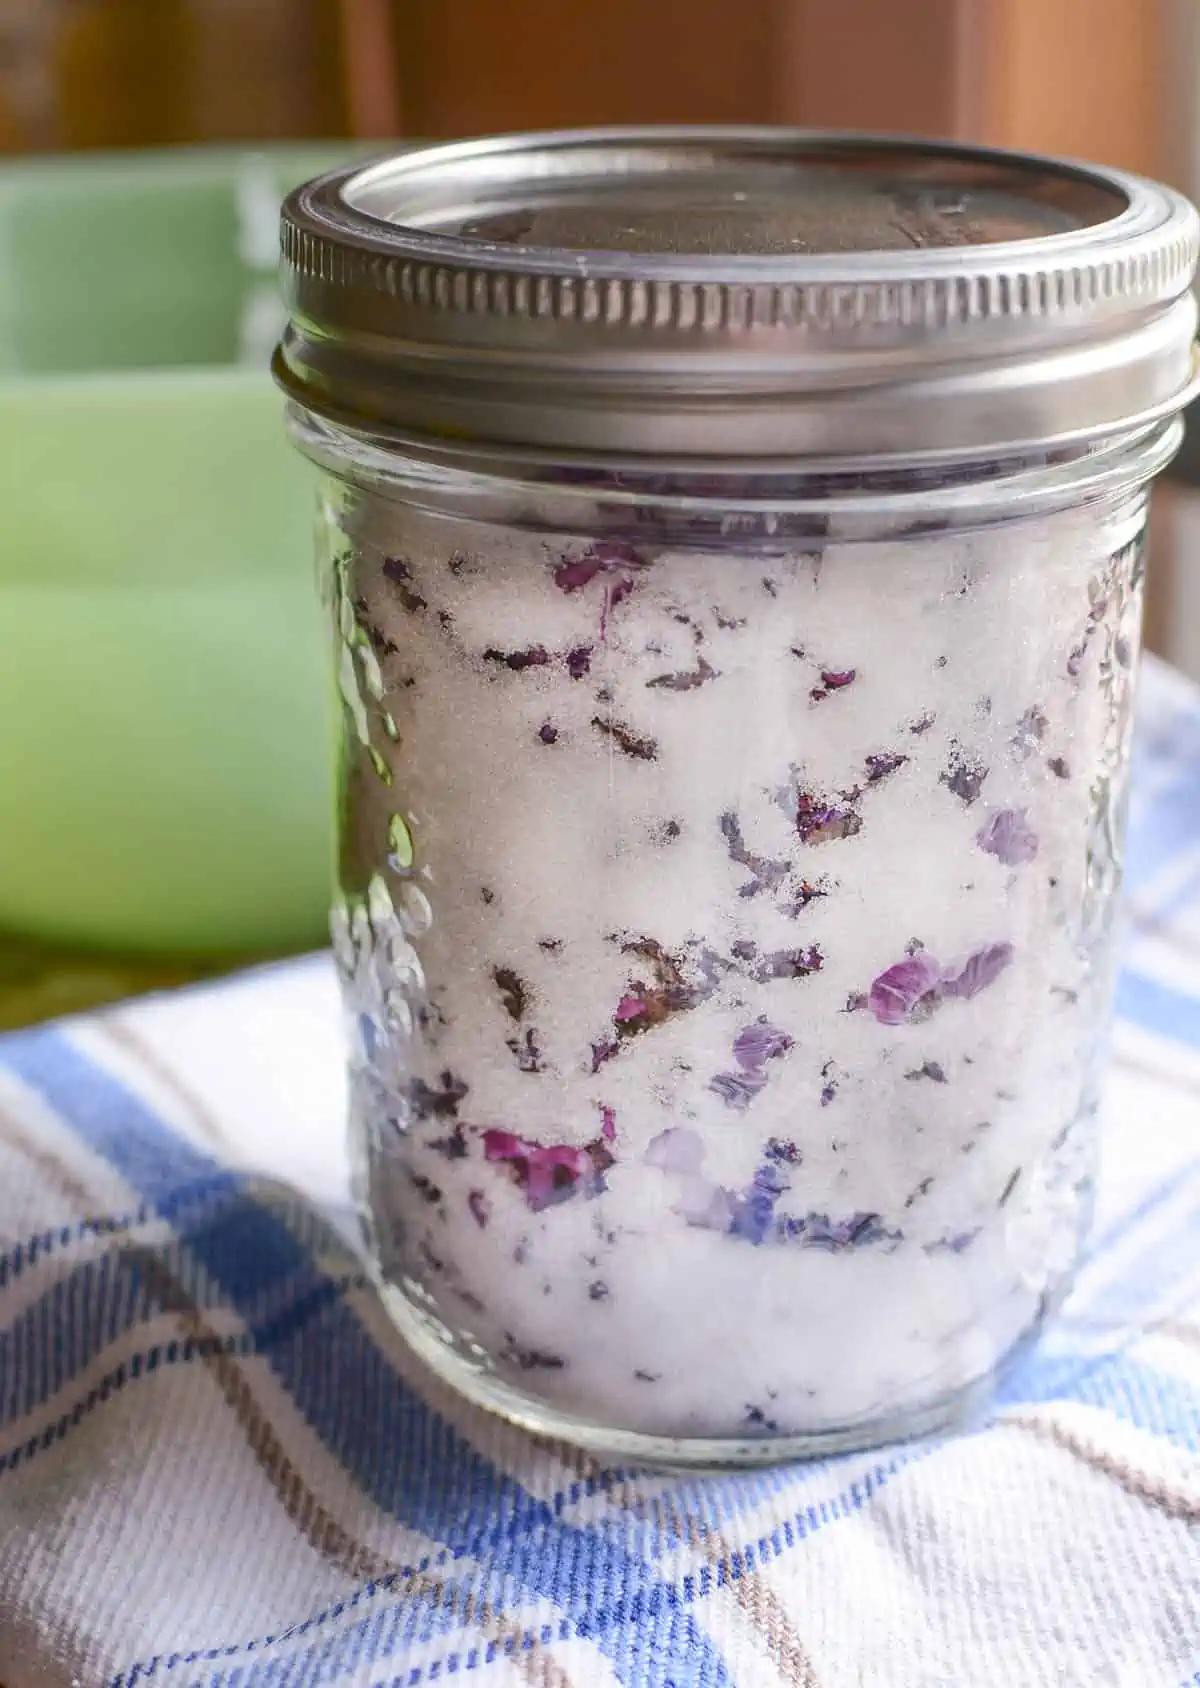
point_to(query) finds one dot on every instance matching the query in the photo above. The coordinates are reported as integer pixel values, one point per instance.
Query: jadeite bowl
(164, 721)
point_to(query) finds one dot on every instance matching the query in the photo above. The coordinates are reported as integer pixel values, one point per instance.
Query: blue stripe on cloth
(1149, 1399)
(712, 1502)
(1163, 830)
(411, 1462)
(1159, 1008)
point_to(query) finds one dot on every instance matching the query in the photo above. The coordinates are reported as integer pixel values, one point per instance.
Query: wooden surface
(42, 981)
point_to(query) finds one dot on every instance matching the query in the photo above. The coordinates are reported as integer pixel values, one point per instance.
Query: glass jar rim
(867, 498)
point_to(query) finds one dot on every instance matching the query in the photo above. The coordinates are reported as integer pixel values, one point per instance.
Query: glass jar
(734, 546)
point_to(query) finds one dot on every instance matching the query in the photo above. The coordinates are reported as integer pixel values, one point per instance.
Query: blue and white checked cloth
(217, 1470)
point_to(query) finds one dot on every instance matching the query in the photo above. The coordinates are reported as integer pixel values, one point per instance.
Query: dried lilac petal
(548, 733)
(579, 661)
(819, 821)
(833, 1236)
(643, 1006)
(604, 557)
(527, 1051)
(921, 725)
(832, 680)
(441, 1103)
(1058, 767)
(513, 992)
(688, 679)
(400, 574)
(536, 656)
(788, 964)
(738, 1090)
(958, 1243)
(677, 1149)
(753, 1214)
(964, 775)
(898, 990)
(978, 971)
(1007, 835)
(572, 576)
(549, 1173)
(1031, 730)
(453, 1145)
(478, 1204)
(532, 1359)
(603, 1051)
(766, 874)
(1009, 1187)
(625, 739)
(758, 1043)
(608, 1129)
(882, 763)
(705, 1206)
(928, 1069)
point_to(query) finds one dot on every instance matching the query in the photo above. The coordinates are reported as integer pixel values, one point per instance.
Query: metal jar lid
(736, 293)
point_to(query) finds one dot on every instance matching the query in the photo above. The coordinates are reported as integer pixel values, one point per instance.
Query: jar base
(955, 1409)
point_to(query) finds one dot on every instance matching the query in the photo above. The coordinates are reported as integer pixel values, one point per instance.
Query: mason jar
(734, 544)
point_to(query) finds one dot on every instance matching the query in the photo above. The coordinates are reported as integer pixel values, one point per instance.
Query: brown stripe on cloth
(352, 1557)
(755, 1597)
(52, 1168)
(1141, 1485)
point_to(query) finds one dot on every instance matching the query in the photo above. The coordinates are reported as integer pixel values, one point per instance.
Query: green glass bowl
(164, 721)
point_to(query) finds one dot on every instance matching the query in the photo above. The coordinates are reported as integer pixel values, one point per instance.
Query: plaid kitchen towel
(219, 1470)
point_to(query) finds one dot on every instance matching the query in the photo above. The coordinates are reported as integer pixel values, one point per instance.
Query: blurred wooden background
(1069, 75)
(1112, 80)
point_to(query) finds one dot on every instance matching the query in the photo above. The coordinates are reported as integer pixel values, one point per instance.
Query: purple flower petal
(819, 822)
(1008, 836)
(738, 1090)
(832, 680)
(978, 971)
(964, 775)
(758, 1043)
(549, 1173)
(579, 661)
(897, 990)
(833, 1236)
(630, 1008)
(537, 656)
(602, 1052)
(478, 1204)
(881, 763)
(677, 1149)
(603, 558)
